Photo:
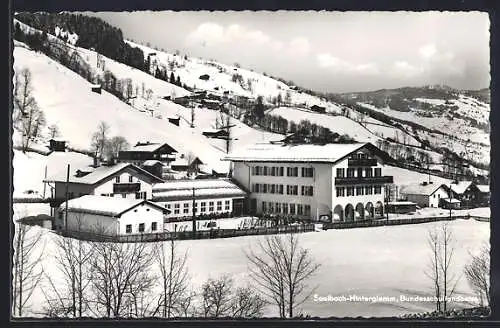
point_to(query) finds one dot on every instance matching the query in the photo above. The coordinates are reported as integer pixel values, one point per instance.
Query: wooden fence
(187, 235)
(383, 222)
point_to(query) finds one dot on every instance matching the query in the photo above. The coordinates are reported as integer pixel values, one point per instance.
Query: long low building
(110, 215)
(342, 182)
(211, 197)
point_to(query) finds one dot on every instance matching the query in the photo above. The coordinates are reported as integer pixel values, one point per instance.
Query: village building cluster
(141, 192)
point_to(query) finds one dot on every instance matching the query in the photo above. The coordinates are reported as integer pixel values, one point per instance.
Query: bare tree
(441, 242)
(71, 297)
(174, 280)
(220, 299)
(477, 272)
(433, 271)
(53, 131)
(216, 297)
(247, 303)
(448, 249)
(281, 269)
(27, 269)
(114, 145)
(26, 110)
(120, 278)
(99, 139)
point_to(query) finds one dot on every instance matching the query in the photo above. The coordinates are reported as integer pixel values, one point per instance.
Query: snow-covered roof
(453, 200)
(99, 173)
(102, 205)
(147, 147)
(202, 188)
(460, 187)
(401, 203)
(483, 188)
(294, 153)
(419, 189)
(151, 162)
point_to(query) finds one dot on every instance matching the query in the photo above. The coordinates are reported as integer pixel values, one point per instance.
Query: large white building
(343, 182)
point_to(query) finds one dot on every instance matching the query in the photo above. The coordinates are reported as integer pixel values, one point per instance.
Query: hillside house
(57, 145)
(426, 194)
(341, 182)
(110, 216)
(96, 88)
(318, 109)
(154, 167)
(184, 164)
(145, 151)
(476, 195)
(211, 197)
(122, 180)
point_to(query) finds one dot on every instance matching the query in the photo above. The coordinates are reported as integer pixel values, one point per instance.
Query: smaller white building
(111, 215)
(211, 197)
(424, 194)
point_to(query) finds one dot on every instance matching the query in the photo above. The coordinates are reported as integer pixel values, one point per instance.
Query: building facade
(121, 180)
(426, 195)
(340, 182)
(211, 198)
(110, 216)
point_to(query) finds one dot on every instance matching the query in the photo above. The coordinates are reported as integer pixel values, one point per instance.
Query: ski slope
(68, 102)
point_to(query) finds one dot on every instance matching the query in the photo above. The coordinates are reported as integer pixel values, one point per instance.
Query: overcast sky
(328, 51)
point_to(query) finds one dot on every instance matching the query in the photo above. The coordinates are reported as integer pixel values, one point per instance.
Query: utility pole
(45, 181)
(194, 214)
(66, 210)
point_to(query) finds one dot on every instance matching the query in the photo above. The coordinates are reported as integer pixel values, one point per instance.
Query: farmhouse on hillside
(476, 195)
(110, 216)
(340, 182)
(120, 180)
(426, 194)
(144, 151)
(213, 197)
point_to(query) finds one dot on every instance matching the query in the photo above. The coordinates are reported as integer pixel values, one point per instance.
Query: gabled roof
(108, 206)
(460, 187)
(483, 188)
(419, 189)
(99, 174)
(152, 162)
(148, 147)
(328, 153)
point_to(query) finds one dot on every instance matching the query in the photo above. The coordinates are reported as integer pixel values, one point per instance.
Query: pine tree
(172, 78)
(178, 81)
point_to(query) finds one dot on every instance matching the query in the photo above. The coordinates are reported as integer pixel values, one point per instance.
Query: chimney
(96, 162)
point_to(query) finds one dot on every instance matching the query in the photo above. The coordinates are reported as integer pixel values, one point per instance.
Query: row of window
(286, 208)
(271, 188)
(212, 205)
(130, 179)
(358, 191)
(141, 228)
(278, 171)
(359, 172)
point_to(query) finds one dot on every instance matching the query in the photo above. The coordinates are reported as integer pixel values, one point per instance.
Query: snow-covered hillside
(468, 141)
(67, 100)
